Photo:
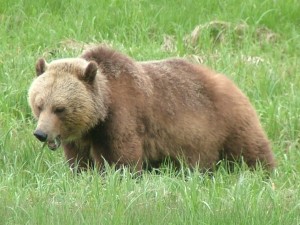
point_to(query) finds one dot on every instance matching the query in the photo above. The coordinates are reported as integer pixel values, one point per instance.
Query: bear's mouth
(54, 144)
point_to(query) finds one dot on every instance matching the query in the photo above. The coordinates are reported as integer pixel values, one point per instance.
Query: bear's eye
(59, 110)
(40, 108)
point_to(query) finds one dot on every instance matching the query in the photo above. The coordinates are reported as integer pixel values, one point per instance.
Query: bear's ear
(40, 66)
(90, 72)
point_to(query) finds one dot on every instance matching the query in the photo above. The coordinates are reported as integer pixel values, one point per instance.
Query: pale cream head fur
(61, 98)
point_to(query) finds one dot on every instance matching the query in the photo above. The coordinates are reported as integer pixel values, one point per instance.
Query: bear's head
(67, 98)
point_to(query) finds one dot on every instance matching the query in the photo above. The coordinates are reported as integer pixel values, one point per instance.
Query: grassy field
(255, 43)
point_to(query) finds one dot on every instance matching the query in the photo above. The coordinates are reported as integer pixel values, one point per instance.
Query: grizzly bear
(105, 106)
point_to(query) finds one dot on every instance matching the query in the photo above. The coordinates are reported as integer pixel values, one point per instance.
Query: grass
(258, 47)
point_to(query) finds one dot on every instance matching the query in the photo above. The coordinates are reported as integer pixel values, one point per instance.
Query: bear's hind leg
(253, 150)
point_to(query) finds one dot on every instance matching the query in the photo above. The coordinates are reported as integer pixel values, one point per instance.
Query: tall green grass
(36, 186)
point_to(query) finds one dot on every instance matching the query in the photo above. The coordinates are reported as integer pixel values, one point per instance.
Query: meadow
(255, 43)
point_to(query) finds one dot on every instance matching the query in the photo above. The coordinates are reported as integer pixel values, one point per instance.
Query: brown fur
(130, 113)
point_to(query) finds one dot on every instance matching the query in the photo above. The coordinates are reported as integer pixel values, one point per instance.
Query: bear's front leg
(78, 156)
(128, 153)
(118, 152)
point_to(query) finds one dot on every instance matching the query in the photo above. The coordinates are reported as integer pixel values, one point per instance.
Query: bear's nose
(40, 135)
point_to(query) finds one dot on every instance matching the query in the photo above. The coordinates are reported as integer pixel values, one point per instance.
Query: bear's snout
(40, 135)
